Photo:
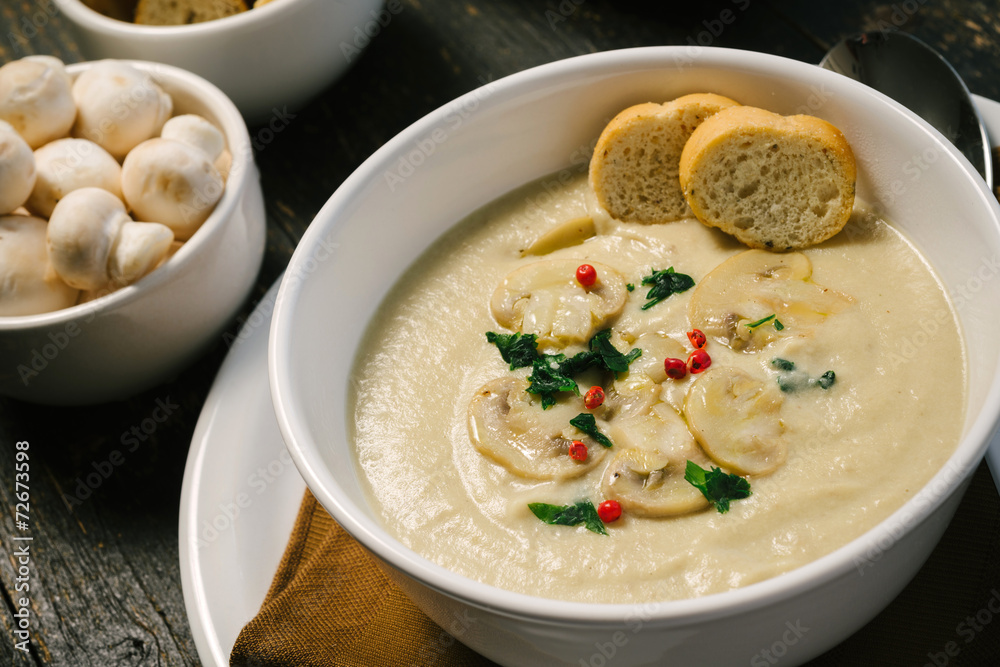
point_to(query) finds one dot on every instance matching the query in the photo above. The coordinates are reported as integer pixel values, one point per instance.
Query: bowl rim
(237, 141)
(369, 532)
(94, 20)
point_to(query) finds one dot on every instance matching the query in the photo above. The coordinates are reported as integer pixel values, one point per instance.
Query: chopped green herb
(578, 363)
(587, 423)
(570, 515)
(553, 373)
(827, 379)
(783, 364)
(717, 486)
(546, 379)
(764, 320)
(609, 355)
(663, 284)
(778, 326)
(518, 350)
(630, 287)
(789, 383)
(790, 379)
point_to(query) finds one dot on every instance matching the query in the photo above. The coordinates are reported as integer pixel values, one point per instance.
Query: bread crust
(183, 12)
(774, 182)
(634, 168)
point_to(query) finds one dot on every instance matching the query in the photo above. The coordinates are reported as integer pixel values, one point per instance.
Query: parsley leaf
(630, 287)
(664, 283)
(578, 363)
(547, 378)
(551, 373)
(826, 380)
(587, 423)
(783, 364)
(518, 350)
(718, 487)
(570, 515)
(609, 355)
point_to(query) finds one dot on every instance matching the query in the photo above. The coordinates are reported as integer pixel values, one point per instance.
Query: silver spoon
(918, 77)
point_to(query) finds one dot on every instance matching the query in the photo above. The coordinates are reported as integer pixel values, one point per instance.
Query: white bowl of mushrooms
(132, 226)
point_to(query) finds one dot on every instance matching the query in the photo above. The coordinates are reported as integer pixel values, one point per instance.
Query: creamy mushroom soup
(836, 389)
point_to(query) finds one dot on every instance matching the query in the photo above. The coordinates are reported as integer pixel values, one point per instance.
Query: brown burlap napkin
(331, 605)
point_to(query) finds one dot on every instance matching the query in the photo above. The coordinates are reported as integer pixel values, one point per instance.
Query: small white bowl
(532, 124)
(127, 341)
(276, 56)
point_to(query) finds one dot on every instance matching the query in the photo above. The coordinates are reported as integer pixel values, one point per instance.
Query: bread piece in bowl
(774, 182)
(634, 167)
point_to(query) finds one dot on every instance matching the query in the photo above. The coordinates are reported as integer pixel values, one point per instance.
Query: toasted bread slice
(774, 182)
(182, 12)
(634, 167)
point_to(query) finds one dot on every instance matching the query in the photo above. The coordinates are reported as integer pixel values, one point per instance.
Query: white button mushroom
(28, 285)
(35, 98)
(172, 183)
(70, 164)
(92, 243)
(17, 169)
(118, 106)
(140, 248)
(196, 131)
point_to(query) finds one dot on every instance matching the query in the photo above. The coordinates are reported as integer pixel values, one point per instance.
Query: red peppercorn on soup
(560, 403)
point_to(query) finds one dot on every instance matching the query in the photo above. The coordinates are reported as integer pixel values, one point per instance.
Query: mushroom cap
(66, 165)
(83, 230)
(140, 248)
(35, 98)
(197, 131)
(28, 285)
(118, 106)
(17, 169)
(172, 183)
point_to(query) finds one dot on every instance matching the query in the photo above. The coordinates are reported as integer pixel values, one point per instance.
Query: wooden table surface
(105, 579)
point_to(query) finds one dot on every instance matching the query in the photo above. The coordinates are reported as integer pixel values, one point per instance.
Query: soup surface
(827, 460)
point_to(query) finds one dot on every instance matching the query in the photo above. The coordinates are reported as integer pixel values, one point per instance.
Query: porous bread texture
(774, 182)
(634, 169)
(183, 12)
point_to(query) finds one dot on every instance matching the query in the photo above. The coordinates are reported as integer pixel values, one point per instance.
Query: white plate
(226, 568)
(239, 499)
(990, 112)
